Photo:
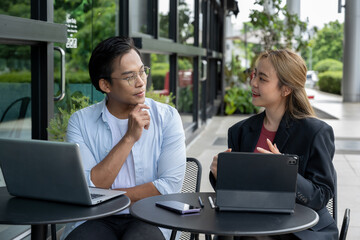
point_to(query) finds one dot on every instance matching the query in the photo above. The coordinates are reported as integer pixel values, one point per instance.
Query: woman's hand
(213, 166)
(273, 148)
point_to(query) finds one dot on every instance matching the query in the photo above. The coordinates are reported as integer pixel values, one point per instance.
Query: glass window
(86, 29)
(184, 97)
(139, 16)
(186, 21)
(164, 10)
(18, 8)
(15, 92)
(160, 73)
(15, 106)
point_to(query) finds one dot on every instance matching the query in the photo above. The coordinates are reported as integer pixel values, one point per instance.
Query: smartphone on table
(178, 207)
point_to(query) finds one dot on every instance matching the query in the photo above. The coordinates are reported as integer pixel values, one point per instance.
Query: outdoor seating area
(179, 119)
(213, 140)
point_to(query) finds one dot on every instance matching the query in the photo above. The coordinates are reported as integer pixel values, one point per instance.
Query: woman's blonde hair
(291, 71)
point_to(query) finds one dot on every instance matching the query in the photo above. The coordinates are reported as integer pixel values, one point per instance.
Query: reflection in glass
(186, 21)
(184, 96)
(19, 8)
(160, 73)
(139, 16)
(164, 10)
(15, 106)
(15, 92)
(86, 23)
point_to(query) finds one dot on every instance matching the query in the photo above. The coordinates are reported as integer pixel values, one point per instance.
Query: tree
(328, 43)
(277, 28)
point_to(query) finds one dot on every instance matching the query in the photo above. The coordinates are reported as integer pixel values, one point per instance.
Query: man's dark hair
(102, 57)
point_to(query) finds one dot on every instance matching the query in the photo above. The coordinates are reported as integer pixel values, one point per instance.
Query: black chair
(332, 208)
(191, 183)
(16, 111)
(345, 224)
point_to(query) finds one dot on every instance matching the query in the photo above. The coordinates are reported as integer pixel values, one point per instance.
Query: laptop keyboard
(94, 195)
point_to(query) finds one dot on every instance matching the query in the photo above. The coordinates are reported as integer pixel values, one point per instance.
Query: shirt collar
(100, 110)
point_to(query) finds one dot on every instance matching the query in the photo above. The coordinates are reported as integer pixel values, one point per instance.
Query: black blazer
(313, 141)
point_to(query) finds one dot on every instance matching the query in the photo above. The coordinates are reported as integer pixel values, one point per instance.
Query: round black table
(39, 213)
(209, 221)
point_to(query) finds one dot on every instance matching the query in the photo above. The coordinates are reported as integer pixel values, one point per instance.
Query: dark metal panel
(42, 67)
(174, 20)
(206, 20)
(41, 89)
(164, 46)
(39, 9)
(222, 45)
(204, 99)
(173, 75)
(124, 17)
(153, 15)
(27, 31)
(196, 76)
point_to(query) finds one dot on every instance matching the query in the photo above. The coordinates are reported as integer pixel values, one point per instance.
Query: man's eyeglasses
(131, 77)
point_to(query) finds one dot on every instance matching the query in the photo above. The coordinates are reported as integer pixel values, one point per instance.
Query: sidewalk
(343, 117)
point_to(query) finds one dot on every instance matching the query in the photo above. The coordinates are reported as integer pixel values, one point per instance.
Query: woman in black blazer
(288, 125)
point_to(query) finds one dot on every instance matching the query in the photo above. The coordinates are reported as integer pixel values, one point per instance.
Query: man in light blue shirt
(127, 142)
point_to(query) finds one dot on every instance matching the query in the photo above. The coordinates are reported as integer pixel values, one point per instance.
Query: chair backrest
(191, 183)
(192, 177)
(332, 204)
(16, 112)
(345, 224)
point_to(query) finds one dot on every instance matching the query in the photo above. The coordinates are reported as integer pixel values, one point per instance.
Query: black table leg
(208, 237)
(173, 234)
(38, 232)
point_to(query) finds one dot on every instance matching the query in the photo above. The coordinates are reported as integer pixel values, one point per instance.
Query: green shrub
(185, 99)
(158, 78)
(160, 98)
(25, 77)
(330, 82)
(159, 66)
(20, 77)
(78, 77)
(328, 65)
(58, 125)
(239, 100)
(74, 77)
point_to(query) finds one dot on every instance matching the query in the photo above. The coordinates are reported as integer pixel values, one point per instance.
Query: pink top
(262, 139)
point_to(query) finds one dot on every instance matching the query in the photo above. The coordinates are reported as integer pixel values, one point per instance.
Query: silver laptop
(256, 182)
(49, 171)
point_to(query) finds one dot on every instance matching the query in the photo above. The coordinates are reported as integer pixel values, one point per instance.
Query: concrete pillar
(351, 69)
(293, 6)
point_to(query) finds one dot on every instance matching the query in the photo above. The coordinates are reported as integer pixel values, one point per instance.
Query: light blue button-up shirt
(159, 155)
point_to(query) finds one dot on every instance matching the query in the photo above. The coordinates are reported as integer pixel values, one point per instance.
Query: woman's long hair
(291, 71)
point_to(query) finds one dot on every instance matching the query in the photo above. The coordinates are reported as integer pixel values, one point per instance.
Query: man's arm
(141, 191)
(103, 174)
(171, 163)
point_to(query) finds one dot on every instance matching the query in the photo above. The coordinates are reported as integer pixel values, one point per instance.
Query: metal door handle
(62, 74)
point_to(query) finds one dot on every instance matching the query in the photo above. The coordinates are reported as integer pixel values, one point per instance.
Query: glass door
(27, 34)
(88, 23)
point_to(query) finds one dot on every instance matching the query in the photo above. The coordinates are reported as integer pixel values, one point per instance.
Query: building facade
(46, 44)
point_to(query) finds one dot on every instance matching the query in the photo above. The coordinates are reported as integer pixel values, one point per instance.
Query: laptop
(256, 182)
(48, 171)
